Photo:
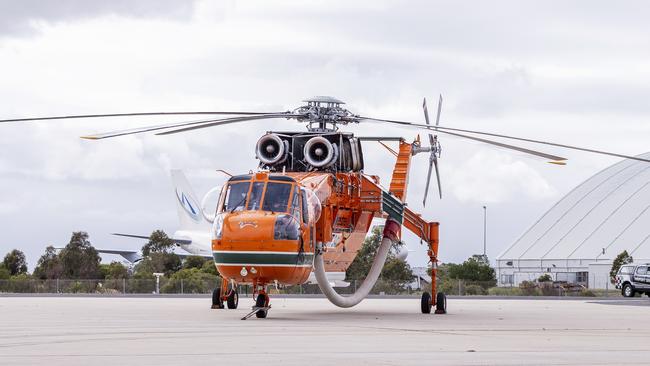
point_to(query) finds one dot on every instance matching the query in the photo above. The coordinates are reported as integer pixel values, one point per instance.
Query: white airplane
(194, 233)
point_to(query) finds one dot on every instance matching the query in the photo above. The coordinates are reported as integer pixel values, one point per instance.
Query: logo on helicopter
(243, 224)
(189, 205)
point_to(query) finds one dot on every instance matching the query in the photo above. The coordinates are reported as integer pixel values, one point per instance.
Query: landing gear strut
(226, 293)
(440, 300)
(262, 305)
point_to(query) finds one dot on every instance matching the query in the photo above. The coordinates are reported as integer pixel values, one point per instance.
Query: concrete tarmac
(184, 331)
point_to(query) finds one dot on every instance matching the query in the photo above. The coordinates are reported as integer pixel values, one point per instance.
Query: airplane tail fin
(187, 204)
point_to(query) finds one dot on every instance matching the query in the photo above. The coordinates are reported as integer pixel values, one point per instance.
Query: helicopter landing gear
(440, 300)
(226, 293)
(425, 303)
(441, 303)
(233, 299)
(261, 307)
(217, 301)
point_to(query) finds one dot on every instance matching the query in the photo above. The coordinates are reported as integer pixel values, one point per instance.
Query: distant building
(421, 277)
(578, 238)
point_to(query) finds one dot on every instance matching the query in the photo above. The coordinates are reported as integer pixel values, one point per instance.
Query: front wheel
(425, 303)
(233, 299)
(628, 290)
(262, 301)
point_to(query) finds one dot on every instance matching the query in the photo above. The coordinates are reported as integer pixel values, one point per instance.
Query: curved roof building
(589, 227)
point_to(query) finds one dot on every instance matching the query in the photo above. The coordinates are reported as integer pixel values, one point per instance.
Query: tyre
(261, 301)
(441, 303)
(217, 303)
(628, 290)
(425, 303)
(233, 299)
(647, 294)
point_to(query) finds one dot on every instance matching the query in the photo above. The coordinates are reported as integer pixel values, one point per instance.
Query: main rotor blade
(133, 131)
(134, 115)
(443, 129)
(223, 122)
(553, 158)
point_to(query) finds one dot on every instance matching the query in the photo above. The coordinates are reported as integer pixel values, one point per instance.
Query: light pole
(484, 231)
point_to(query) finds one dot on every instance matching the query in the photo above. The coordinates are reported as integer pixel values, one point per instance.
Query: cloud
(23, 17)
(537, 70)
(490, 176)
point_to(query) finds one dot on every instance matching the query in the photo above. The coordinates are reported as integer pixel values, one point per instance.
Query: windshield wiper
(237, 205)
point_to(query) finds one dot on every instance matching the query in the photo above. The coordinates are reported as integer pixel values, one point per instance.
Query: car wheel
(628, 290)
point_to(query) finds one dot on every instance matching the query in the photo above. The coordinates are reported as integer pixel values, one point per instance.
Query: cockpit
(245, 193)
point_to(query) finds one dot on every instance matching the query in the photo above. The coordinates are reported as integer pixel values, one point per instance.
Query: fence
(452, 287)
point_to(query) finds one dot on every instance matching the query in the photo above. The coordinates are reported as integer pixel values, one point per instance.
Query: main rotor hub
(323, 113)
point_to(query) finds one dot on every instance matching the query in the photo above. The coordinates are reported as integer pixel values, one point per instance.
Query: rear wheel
(233, 299)
(441, 303)
(628, 290)
(262, 301)
(425, 303)
(217, 302)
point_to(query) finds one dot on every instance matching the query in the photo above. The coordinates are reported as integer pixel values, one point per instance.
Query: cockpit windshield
(240, 196)
(236, 196)
(276, 198)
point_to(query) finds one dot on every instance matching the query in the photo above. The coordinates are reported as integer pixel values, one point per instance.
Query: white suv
(633, 278)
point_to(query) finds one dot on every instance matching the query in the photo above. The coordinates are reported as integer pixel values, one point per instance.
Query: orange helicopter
(308, 207)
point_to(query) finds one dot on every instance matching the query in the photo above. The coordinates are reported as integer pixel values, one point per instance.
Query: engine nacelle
(320, 153)
(271, 149)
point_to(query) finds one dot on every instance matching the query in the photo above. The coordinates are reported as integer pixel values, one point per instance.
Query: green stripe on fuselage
(263, 258)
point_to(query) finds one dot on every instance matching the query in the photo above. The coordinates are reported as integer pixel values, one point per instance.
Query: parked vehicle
(633, 278)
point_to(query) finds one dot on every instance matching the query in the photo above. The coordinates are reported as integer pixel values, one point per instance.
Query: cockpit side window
(236, 196)
(305, 210)
(255, 200)
(295, 205)
(276, 198)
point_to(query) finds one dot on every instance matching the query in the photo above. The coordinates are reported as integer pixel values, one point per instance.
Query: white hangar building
(578, 238)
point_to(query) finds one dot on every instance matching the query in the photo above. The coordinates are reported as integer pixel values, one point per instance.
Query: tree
(475, 268)
(49, 265)
(162, 262)
(158, 242)
(4, 273)
(113, 271)
(194, 261)
(620, 260)
(545, 278)
(193, 281)
(396, 272)
(15, 262)
(79, 259)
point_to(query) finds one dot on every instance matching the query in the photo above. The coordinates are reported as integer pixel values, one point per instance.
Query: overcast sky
(576, 73)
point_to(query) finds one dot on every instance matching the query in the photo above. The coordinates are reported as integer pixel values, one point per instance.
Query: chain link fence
(452, 287)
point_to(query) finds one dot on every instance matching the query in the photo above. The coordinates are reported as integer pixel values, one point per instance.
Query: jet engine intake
(320, 153)
(271, 149)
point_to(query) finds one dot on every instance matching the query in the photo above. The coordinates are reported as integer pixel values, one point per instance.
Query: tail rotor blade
(426, 110)
(435, 164)
(439, 109)
(426, 188)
